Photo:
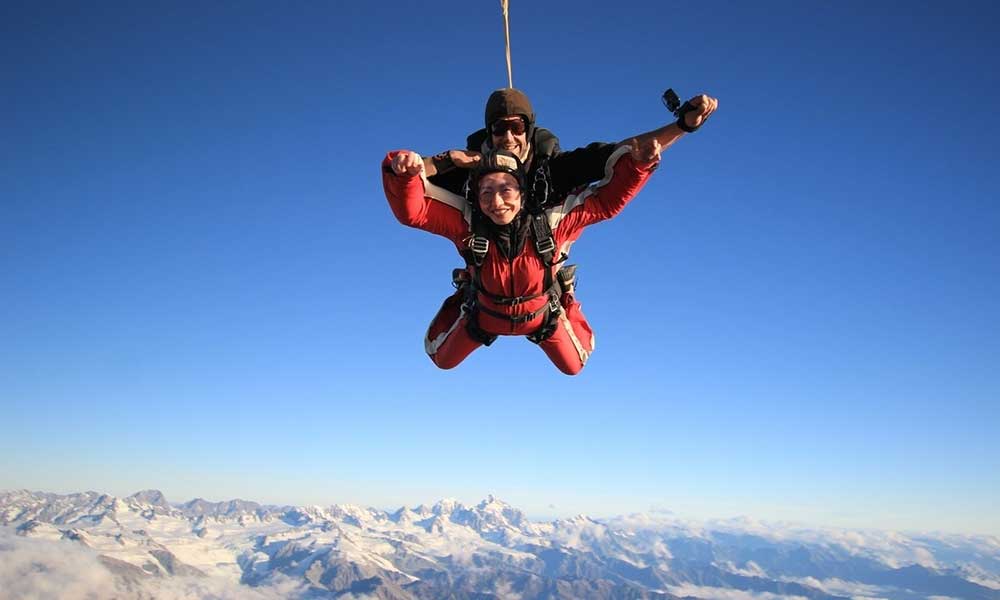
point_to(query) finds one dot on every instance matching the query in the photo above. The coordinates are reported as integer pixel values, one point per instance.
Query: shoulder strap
(541, 184)
(546, 143)
(545, 245)
(477, 244)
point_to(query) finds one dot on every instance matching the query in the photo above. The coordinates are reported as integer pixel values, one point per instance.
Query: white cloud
(716, 593)
(840, 587)
(892, 548)
(751, 569)
(278, 588)
(505, 590)
(39, 569)
(980, 576)
(661, 551)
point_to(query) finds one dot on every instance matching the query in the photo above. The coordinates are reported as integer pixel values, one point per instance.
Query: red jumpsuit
(417, 203)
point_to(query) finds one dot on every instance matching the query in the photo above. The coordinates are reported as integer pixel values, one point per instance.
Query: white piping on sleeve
(556, 213)
(450, 198)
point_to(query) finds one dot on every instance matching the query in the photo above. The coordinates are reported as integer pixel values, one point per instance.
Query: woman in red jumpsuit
(508, 294)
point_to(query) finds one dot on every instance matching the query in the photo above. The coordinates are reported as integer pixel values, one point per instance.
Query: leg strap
(551, 321)
(475, 332)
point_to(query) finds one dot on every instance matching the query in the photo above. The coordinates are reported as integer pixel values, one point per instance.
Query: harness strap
(472, 327)
(550, 306)
(545, 246)
(548, 328)
(509, 300)
(540, 186)
(462, 280)
(515, 319)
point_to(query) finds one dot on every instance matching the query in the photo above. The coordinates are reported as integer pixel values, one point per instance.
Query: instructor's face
(511, 134)
(499, 197)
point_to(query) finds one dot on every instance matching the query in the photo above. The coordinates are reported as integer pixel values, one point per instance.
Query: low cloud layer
(716, 593)
(36, 569)
(839, 587)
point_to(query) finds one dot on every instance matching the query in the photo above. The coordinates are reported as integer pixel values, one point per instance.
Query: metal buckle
(540, 188)
(479, 245)
(545, 246)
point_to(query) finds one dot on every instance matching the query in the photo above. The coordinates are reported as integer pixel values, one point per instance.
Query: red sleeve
(413, 209)
(606, 198)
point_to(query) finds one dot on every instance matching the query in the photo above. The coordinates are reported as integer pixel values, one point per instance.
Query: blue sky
(204, 291)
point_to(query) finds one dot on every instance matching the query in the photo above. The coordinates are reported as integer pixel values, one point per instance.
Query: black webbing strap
(477, 244)
(475, 332)
(551, 322)
(545, 245)
(463, 280)
(516, 319)
(541, 184)
(509, 300)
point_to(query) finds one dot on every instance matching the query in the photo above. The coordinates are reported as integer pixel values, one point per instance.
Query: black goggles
(515, 126)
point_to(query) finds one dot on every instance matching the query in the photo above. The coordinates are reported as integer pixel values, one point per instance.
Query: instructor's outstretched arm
(695, 112)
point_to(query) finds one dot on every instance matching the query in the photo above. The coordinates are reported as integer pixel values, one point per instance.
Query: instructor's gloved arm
(449, 160)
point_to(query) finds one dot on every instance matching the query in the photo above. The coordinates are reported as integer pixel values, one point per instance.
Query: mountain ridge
(491, 550)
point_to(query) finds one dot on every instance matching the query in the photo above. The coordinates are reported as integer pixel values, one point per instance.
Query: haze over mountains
(92, 545)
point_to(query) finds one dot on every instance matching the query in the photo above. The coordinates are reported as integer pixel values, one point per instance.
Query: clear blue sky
(202, 288)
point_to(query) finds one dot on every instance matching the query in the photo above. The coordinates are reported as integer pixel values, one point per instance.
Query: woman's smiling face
(499, 197)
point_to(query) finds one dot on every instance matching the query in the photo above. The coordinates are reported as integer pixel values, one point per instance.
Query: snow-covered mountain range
(92, 545)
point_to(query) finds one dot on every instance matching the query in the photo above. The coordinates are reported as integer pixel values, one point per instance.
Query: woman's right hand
(407, 162)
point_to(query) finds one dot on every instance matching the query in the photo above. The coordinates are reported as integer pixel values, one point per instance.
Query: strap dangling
(506, 30)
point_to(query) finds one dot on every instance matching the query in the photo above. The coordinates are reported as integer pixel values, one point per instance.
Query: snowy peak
(227, 509)
(504, 511)
(446, 506)
(491, 500)
(38, 529)
(494, 520)
(89, 508)
(151, 504)
(150, 498)
(355, 515)
(404, 516)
